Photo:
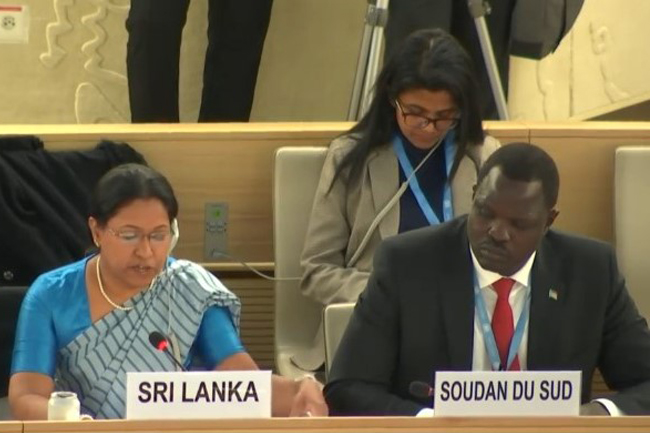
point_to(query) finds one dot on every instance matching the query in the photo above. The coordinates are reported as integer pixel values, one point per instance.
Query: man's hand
(593, 409)
(309, 400)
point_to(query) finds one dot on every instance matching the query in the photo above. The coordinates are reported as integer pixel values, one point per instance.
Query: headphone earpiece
(175, 234)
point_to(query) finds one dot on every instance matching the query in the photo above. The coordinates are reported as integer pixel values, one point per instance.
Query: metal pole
(362, 62)
(369, 58)
(478, 9)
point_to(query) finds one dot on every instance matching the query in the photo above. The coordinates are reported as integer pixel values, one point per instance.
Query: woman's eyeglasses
(419, 121)
(134, 237)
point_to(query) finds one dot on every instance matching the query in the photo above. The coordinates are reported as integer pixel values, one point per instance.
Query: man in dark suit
(421, 310)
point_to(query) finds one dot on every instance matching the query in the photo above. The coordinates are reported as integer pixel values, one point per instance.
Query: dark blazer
(44, 203)
(416, 317)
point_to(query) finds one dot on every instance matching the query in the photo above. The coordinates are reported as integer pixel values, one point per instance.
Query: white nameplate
(510, 393)
(198, 395)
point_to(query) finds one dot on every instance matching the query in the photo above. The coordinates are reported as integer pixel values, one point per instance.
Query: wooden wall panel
(230, 163)
(584, 153)
(257, 317)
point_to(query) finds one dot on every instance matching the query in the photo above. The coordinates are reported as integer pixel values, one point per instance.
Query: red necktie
(502, 322)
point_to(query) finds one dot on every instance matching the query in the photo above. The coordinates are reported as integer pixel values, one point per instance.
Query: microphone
(160, 343)
(420, 389)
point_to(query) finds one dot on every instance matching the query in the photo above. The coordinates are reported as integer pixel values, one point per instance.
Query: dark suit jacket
(416, 317)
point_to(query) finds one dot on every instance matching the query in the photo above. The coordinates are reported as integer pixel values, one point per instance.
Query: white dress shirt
(517, 299)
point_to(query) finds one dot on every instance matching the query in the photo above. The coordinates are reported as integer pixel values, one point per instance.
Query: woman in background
(84, 325)
(411, 161)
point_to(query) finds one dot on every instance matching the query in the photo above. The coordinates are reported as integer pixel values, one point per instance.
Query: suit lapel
(458, 301)
(547, 296)
(384, 177)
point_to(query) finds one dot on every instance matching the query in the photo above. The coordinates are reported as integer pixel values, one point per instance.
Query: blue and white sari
(95, 363)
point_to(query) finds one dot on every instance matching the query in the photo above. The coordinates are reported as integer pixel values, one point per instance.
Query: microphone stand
(478, 9)
(369, 57)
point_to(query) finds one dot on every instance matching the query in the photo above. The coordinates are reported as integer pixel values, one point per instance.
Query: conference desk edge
(361, 424)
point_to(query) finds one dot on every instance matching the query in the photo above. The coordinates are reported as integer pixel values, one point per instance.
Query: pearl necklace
(101, 289)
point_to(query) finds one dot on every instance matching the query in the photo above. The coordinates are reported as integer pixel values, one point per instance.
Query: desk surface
(11, 427)
(383, 424)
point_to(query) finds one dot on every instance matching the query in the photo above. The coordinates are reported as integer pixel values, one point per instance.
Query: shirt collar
(487, 278)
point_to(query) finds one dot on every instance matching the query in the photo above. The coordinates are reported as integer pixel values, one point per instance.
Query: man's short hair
(525, 162)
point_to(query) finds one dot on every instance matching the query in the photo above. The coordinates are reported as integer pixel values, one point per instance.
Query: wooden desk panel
(11, 427)
(229, 163)
(226, 162)
(339, 425)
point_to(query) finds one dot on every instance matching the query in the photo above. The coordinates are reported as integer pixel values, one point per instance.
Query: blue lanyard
(425, 206)
(488, 335)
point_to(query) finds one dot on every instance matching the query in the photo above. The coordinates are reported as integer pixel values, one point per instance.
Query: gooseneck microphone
(420, 389)
(160, 343)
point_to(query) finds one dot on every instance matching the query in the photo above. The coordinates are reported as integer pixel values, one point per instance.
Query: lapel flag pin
(552, 293)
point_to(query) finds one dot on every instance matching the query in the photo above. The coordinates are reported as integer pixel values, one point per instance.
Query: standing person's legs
(407, 16)
(236, 37)
(152, 61)
(498, 23)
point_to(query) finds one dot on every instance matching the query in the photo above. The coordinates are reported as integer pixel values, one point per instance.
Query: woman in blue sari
(84, 325)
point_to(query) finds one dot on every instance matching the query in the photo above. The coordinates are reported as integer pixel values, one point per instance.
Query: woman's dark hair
(427, 59)
(125, 183)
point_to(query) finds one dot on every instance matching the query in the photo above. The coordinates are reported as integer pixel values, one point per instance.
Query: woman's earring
(96, 243)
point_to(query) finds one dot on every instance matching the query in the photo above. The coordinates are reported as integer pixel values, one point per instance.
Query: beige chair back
(335, 322)
(295, 179)
(632, 221)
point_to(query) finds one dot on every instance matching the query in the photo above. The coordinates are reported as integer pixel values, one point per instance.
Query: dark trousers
(406, 16)
(236, 33)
